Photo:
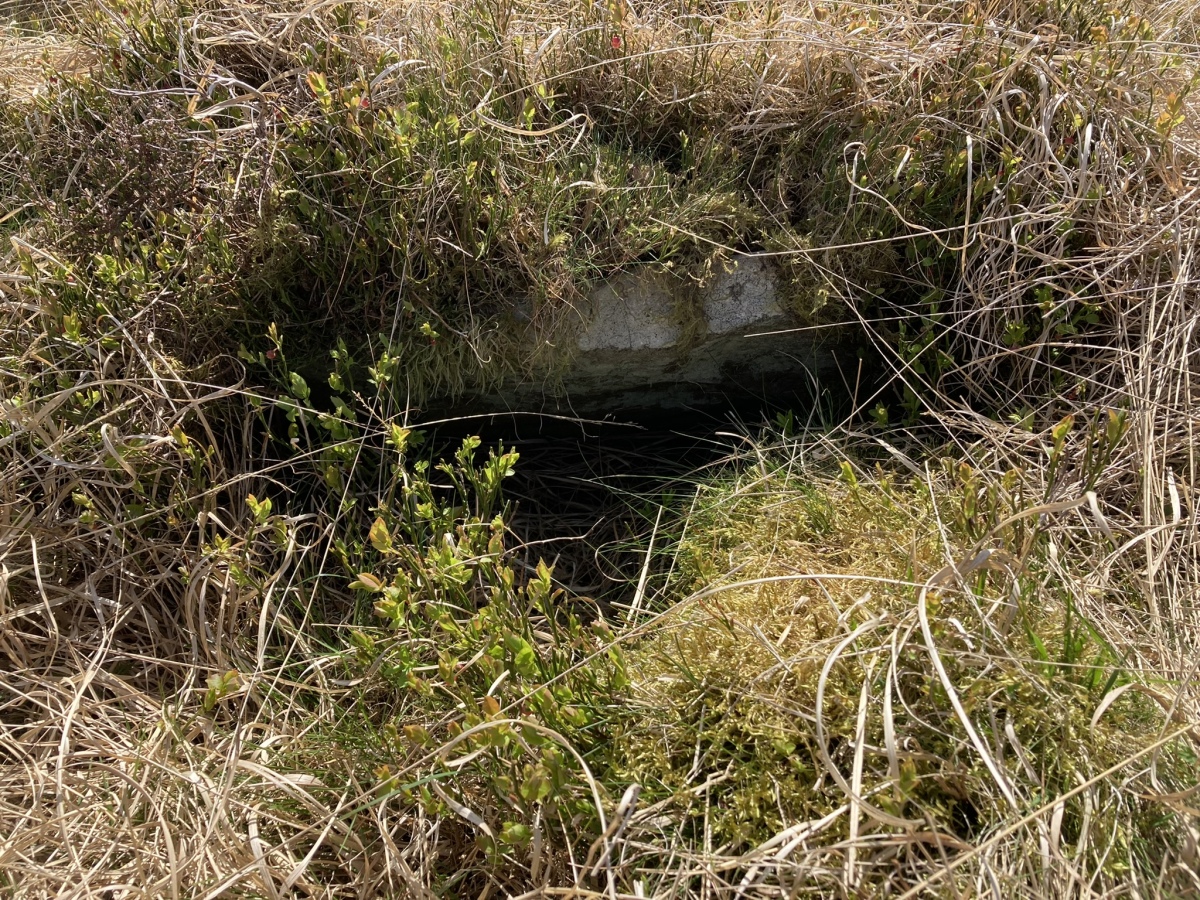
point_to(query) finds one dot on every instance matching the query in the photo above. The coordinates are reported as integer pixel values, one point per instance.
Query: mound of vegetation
(918, 663)
(261, 639)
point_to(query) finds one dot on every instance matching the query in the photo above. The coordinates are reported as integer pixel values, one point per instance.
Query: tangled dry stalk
(177, 682)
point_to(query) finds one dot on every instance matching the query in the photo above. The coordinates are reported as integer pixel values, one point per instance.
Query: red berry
(616, 42)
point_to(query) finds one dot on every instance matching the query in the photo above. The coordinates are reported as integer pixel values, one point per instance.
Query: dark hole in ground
(587, 503)
(588, 494)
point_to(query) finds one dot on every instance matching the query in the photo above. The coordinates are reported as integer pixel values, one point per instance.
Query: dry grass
(135, 576)
(21, 72)
(30, 46)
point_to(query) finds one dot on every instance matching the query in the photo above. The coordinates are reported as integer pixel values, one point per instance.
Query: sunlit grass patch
(885, 668)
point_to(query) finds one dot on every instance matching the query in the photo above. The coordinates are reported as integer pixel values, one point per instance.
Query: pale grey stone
(629, 351)
(630, 313)
(742, 297)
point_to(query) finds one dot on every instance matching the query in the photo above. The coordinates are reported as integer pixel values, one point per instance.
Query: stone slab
(630, 313)
(742, 297)
(632, 350)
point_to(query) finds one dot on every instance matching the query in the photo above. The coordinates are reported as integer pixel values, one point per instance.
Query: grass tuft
(789, 711)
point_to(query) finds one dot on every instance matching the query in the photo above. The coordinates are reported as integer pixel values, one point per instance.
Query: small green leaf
(848, 475)
(417, 735)
(380, 537)
(367, 582)
(526, 661)
(1060, 431)
(1015, 334)
(516, 833)
(784, 747)
(363, 641)
(219, 687)
(536, 785)
(260, 509)
(398, 437)
(299, 387)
